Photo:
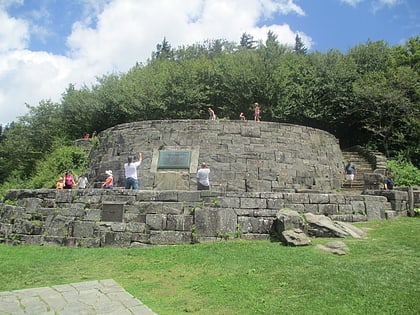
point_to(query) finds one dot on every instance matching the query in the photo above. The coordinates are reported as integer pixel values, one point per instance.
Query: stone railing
(98, 217)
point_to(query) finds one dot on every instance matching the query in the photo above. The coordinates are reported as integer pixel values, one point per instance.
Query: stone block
(169, 237)
(328, 209)
(299, 207)
(92, 215)
(358, 207)
(288, 219)
(228, 202)
(118, 227)
(375, 210)
(172, 208)
(156, 221)
(136, 227)
(345, 209)
(179, 222)
(211, 221)
(311, 208)
(264, 213)
(83, 229)
(253, 203)
(189, 196)
(115, 239)
(275, 204)
(257, 185)
(319, 198)
(261, 225)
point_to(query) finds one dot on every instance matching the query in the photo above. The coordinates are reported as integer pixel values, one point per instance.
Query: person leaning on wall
(130, 169)
(203, 182)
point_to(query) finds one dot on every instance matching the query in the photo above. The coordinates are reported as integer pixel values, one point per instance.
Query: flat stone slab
(83, 298)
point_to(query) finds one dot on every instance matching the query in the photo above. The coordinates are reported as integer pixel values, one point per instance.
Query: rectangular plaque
(174, 159)
(112, 212)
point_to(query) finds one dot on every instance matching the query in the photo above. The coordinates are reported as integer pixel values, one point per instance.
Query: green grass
(379, 275)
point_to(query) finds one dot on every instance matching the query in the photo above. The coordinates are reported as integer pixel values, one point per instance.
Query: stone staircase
(362, 166)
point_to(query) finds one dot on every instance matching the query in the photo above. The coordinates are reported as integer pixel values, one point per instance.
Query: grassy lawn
(379, 275)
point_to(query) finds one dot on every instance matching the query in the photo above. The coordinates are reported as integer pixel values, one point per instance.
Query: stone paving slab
(83, 298)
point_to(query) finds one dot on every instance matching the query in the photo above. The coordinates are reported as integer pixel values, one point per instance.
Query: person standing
(203, 182)
(257, 111)
(83, 182)
(212, 115)
(389, 182)
(68, 180)
(130, 168)
(109, 182)
(350, 171)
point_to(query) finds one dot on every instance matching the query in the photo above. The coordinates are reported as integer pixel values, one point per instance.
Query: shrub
(405, 173)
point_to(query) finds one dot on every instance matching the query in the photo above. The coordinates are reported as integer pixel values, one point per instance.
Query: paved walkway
(84, 298)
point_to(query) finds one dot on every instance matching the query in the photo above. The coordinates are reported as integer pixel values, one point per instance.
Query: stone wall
(99, 217)
(243, 156)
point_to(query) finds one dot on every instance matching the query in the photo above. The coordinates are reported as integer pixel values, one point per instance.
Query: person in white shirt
(130, 168)
(82, 182)
(203, 182)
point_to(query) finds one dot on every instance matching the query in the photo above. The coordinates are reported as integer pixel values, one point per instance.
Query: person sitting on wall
(389, 182)
(60, 183)
(203, 182)
(109, 182)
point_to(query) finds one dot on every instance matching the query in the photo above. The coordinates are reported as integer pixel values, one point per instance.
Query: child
(109, 182)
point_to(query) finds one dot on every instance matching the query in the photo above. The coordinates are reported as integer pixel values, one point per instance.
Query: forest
(368, 96)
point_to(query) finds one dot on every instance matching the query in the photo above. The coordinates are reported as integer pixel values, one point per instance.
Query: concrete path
(84, 298)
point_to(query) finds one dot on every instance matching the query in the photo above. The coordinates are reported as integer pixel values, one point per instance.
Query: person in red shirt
(109, 182)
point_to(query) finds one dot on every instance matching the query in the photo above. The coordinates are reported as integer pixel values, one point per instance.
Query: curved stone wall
(242, 155)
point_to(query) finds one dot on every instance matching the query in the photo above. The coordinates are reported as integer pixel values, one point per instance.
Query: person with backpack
(350, 171)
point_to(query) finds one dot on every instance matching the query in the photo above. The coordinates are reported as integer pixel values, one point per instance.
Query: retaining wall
(98, 217)
(243, 155)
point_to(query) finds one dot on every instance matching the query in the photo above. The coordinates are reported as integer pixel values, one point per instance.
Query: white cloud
(353, 3)
(14, 33)
(112, 35)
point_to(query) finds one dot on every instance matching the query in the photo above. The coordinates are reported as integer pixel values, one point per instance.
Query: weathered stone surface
(287, 219)
(170, 237)
(156, 221)
(350, 229)
(83, 229)
(373, 180)
(211, 221)
(76, 223)
(322, 226)
(248, 160)
(295, 237)
(179, 222)
(337, 248)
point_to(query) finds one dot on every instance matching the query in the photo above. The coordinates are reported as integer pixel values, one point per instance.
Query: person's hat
(108, 173)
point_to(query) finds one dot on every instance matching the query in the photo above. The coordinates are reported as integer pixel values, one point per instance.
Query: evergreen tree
(299, 46)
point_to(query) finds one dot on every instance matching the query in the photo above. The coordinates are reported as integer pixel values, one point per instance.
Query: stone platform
(84, 298)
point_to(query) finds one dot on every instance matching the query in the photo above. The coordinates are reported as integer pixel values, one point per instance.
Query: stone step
(362, 166)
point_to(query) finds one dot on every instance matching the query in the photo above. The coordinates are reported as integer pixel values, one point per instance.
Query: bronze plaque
(174, 159)
(112, 212)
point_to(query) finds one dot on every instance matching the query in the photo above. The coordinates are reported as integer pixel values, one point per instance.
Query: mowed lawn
(379, 275)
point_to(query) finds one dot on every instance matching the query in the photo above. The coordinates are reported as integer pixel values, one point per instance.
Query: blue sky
(45, 45)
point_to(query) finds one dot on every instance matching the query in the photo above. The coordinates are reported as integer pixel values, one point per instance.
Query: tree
(247, 41)
(299, 47)
(163, 51)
